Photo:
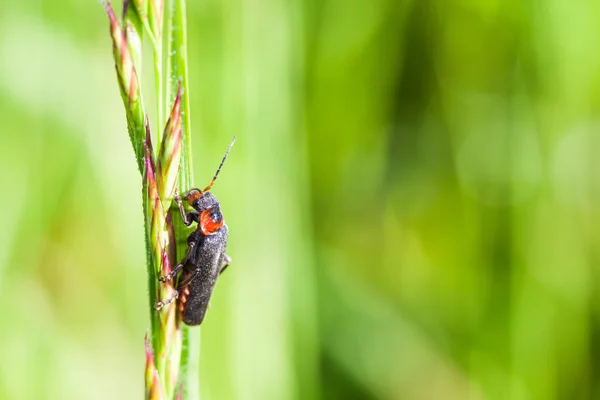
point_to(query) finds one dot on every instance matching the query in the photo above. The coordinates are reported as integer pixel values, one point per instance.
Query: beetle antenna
(210, 185)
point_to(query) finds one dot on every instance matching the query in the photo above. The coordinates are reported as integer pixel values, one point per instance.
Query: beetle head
(201, 200)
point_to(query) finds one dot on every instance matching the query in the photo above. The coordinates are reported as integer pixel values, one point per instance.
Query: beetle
(205, 257)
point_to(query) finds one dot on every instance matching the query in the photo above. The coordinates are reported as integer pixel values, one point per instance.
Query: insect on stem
(205, 258)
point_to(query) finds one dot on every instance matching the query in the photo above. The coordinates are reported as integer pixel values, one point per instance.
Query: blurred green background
(412, 200)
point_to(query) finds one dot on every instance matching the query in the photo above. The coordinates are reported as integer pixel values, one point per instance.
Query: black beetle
(205, 258)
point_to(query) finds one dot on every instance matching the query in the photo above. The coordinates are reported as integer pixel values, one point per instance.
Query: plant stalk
(171, 355)
(177, 77)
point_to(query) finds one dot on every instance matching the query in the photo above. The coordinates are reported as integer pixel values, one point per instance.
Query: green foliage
(412, 200)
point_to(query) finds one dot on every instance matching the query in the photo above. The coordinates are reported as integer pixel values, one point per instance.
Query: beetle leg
(179, 266)
(189, 217)
(226, 262)
(170, 276)
(163, 303)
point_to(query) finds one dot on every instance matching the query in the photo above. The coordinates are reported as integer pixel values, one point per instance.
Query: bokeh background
(413, 200)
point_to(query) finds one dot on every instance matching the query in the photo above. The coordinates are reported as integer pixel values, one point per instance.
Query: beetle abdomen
(204, 268)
